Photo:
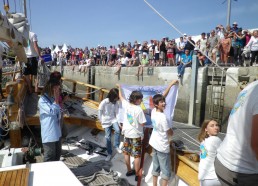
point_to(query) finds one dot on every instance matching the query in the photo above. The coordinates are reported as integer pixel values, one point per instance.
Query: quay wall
(213, 86)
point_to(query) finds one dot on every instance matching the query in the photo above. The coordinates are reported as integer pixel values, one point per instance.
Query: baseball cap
(235, 23)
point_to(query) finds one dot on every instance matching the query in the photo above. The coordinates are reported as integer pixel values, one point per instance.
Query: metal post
(25, 8)
(192, 106)
(229, 12)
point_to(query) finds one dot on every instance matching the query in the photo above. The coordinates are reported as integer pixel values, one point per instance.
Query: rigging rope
(191, 42)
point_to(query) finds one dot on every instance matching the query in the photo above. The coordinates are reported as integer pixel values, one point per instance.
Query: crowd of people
(222, 45)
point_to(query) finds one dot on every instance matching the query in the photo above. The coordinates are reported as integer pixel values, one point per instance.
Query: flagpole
(229, 12)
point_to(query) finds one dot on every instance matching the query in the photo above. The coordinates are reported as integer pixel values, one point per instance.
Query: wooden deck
(17, 177)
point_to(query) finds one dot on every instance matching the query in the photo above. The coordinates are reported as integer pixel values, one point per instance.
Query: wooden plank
(8, 178)
(27, 172)
(3, 177)
(187, 174)
(18, 181)
(13, 178)
(17, 177)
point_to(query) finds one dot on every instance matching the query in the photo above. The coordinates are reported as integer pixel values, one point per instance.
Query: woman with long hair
(208, 147)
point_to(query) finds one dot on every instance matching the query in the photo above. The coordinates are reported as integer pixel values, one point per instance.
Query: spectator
(253, 44)
(224, 48)
(163, 51)
(180, 50)
(186, 61)
(212, 45)
(157, 54)
(235, 27)
(190, 45)
(144, 63)
(170, 53)
(238, 46)
(122, 63)
(203, 60)
(220, 31)
(202, 43)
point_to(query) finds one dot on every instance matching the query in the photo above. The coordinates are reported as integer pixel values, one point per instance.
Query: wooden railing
(90, 89)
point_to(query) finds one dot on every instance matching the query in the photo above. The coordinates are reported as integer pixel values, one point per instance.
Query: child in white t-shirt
(108, 114)
(209, 145)
(159, 139)
(133, 122)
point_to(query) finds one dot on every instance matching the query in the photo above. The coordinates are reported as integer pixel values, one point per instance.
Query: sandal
(130, 173)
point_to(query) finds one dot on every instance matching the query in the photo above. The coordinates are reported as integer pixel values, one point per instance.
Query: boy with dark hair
(159, 139)
(133, 123)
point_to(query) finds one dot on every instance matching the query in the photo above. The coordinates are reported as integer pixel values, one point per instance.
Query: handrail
(102, 91)
(10, 73)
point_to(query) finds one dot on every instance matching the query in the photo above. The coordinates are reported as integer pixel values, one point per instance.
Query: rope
(188, 135)
(191, 42)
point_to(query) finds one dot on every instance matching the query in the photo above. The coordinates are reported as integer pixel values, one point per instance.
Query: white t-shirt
(133, 117)
(159, 137)
(156, 49)
(253, 44)
(124, 60)
(108, 112)
(203, 44)
(30, 50)
(235, 151)
(208, 154)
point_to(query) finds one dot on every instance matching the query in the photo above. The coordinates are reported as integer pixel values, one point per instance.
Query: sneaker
(108, 158)
(118, 150)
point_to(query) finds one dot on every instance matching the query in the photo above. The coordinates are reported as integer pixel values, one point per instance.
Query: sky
(81, 23)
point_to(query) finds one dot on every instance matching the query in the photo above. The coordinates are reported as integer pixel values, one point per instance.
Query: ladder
(217, 94)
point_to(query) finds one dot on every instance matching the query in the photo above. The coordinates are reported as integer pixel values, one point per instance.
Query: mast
(24, 8)
(229, 12)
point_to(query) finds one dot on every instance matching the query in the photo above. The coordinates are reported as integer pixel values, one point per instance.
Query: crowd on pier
(227, 46)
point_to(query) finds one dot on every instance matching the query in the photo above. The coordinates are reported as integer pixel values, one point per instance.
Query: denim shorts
(161, 163)
(132, 147)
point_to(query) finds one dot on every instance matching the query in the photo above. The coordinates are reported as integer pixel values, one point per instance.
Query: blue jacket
(49, 116)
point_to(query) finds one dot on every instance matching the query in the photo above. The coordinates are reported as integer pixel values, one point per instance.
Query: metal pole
(25, 8)
(192, 106)
(229, 12)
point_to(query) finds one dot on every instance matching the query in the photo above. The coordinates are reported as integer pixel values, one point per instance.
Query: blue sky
(81, 23)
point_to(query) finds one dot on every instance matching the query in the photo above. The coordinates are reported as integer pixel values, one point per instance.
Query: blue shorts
(161, 163)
